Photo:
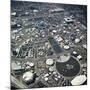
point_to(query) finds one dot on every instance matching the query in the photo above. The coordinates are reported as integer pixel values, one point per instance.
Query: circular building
(69, 68)
(28, 77)
(49, 62)
(79, 80)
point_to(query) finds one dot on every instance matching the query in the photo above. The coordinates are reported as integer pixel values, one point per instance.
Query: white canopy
(28, 76)
(79, 80)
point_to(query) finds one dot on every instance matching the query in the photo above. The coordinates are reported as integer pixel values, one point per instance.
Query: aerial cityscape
(48, 45)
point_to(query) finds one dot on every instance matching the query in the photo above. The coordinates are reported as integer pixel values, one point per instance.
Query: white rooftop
(49, 61)
(79, 80)
(15, 66)
(79, 57)
(46, 78)
(13, 13)
(77, 40)
(51, 69)
(28, 76)
(74, 52)
(66, 47)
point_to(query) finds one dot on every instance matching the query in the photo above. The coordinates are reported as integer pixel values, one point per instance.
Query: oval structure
(28, 76)
(69, 68)
(79, 80)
